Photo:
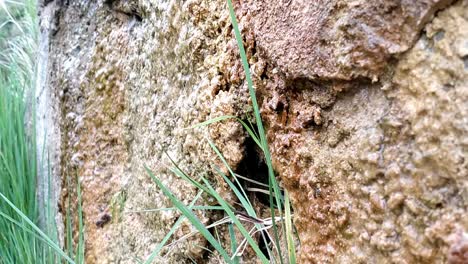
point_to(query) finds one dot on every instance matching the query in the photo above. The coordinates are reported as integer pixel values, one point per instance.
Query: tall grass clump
(243, 219)
(18, 39)
(21, 240)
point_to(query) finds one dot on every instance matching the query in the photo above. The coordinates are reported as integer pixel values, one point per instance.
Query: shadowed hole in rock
(253, 167)
(130, 12)
(465, 61)
(264, 243)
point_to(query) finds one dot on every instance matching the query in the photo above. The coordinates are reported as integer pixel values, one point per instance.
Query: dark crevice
(130, 12)
(465, 61)
(264, 244)
(253, 167)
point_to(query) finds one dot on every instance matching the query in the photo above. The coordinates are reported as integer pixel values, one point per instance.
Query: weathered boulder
(364, 103)
(377, 170)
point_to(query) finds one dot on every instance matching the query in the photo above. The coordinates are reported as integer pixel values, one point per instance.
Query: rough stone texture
(337, 39)
(370, 141)
(131, 77)
(378, 171)
(47, 126)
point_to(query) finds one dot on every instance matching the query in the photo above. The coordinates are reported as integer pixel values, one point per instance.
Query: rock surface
(378, 171)
(323, 40)
(364, 102)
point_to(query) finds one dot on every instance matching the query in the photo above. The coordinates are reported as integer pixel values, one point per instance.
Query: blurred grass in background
(18, 44)
(21, 240)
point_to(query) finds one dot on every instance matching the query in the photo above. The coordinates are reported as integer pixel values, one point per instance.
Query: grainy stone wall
(364, 102)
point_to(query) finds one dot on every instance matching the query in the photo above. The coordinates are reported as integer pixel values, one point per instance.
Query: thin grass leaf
(243, 245)
(244, 201)
(214, 225)
(197, 207)
(22, 227)
(274, 187)
(11, 18)
(289, 229)
(254, 131)
(217, 234)
(80, 251)
(240, 194)
(258, 190)
(56, 248)
(69, 229)
(50, 218)
(179, 172)
(248, 128)
(252, 181)
(232, 236)
(69, 223)
(166, 238)
(184, 176)
(238, 224)
(190, 216)
(18, 39)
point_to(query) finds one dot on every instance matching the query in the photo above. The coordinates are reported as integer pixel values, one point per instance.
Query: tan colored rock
(390, 156)
(337, 39)
(131, 77)
(365, 114)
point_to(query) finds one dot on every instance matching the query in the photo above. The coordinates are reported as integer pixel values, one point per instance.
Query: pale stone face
(129, 78)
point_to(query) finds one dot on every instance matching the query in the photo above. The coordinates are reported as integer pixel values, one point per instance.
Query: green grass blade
(80, 252)
(248, 128)
(249, 209)
(238, 224)
(213, 120)
(289, 229)
(69, 230)
(18, 168)
(190, 216)
(68, 223)
(166, 238)
(274, 187)
(184, 176)
(54, 246)
(232, 236)
(22, 227)
(240, 194)
(197, 207)
(252, 133)
(179, 172)
(245, 203)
